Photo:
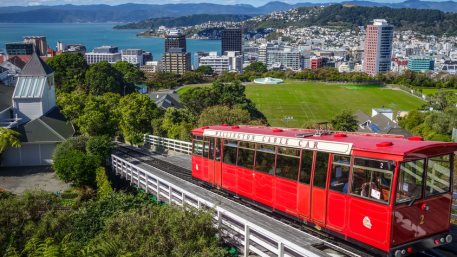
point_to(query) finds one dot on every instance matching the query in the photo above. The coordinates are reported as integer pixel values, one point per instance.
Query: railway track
(186, 175)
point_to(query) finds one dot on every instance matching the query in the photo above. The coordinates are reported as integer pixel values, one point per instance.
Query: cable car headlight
(449, 238)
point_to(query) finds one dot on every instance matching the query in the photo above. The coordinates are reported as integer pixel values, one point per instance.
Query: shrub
(76, 167)
(104, 188)
(100, 146)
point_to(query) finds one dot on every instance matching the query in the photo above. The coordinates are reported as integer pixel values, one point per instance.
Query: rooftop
(36, 67)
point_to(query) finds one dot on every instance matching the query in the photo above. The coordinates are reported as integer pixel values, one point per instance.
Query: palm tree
(8, 138)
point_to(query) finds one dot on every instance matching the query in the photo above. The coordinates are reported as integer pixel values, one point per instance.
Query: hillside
(137, 12)
(130, 12)
(181, 21)
(420, 20)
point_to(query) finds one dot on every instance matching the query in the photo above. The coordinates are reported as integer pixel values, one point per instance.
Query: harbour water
(94, 34)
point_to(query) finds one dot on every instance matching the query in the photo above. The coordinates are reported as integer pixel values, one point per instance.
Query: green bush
(100, 146)
(104, 188)
(76, 167)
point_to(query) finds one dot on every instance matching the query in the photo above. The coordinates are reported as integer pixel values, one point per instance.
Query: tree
(72, 104)
(103, 78)
(345, 121)
(136, 114)
(257, 67)
(9, 138)
(221, 114)
(75, 167)
(205, 69)
(100, 146)
(99, 116)
(69, 70)
(131, 73)
(197, 99)
(178, 123)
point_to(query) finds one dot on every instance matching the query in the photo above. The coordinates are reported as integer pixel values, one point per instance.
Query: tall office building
(232, 40)
(176, 60)
(175, 39)
(40, 43)
(378, 47)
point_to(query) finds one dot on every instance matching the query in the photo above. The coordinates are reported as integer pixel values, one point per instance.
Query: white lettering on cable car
(319, 145)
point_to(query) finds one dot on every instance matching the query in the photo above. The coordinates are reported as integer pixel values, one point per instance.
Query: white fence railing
(169, 144)
(251, 237)
(186, 147)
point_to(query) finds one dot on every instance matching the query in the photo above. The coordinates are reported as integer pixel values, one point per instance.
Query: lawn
(316, 101)
(432, 91)
(186, 88)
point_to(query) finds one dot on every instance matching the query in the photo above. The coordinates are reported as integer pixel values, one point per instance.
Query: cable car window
(218, 149)
(265, 158)
(206, 149)
(211, 149)
(340, 173)
(320, 171)
(372, 183)
(438, 175)
(230, 148)
(287, 163)
(246, 155)
(197, 147)
(306, 166)
(410, 181)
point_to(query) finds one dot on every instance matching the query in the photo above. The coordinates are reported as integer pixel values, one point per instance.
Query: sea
(95, 34)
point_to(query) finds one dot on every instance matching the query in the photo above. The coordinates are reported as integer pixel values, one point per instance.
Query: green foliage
(228, 94)
(257, 67)
(69, 70)
(178, 123)
(114, 225)
(72, 104)
(204, 69)
(9, 138)
(221, 114)
(100, 146)
(137, 112)
(76, 167)
(345, 121)
(131, 73)
(435, 126)
(103, 78)
(159, 80)
(99, 115)
(104, 188)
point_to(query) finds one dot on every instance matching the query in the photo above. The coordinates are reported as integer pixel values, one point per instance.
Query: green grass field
(432, 91)
(316, 101)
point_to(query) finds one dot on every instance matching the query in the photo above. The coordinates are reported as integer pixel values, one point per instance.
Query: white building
(92, 57)
(288, 59)
(133, 56)
(35, 116)
(103, 54)
(152, 67)
(232, 61)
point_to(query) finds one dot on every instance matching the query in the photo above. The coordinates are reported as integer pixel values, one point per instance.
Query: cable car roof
(329, 141)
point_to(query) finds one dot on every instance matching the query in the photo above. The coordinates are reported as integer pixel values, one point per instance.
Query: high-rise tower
(378, 47)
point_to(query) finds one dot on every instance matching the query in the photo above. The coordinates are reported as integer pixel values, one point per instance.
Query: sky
(116, 2)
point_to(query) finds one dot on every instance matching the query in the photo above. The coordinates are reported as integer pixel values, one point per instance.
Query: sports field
(317, 101)
(432, 91)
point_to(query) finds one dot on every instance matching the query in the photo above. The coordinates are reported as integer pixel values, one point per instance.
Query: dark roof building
(166, 99)
(35, 115)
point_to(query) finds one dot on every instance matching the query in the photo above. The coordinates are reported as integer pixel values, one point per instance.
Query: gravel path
(19, 180)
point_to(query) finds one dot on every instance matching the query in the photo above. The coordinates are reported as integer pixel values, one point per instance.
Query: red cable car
(385, 193)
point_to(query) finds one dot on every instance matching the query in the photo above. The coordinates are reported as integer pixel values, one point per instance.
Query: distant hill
(433, 22)
(138, 12)
(130, 12)
(181, 21)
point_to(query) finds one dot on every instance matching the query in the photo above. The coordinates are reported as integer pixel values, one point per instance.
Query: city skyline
(119, 2)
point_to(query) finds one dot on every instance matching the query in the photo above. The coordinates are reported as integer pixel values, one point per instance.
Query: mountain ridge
(131, 12)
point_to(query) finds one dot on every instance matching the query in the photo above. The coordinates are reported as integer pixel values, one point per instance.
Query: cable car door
(217, 163)
(318, 189)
